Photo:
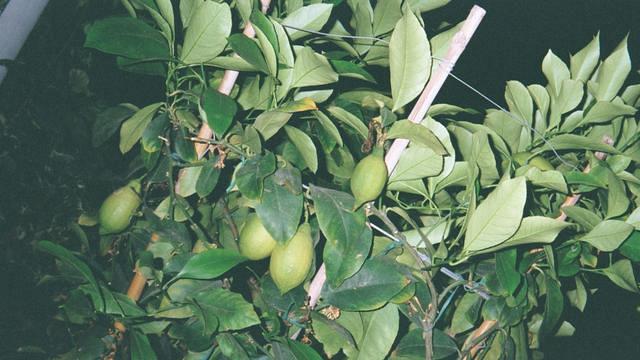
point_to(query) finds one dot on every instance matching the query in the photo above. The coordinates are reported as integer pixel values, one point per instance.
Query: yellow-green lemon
(290, 262)
(255, 241)
(118, 208)
(369, 177)
(537, 161)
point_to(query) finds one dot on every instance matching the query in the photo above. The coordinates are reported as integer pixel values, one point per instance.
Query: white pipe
(16, 22)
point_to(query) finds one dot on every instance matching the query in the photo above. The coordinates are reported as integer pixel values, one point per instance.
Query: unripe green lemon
(369, 177)
(537, 161)
(255, 241)
(290, 262)
(118, 208)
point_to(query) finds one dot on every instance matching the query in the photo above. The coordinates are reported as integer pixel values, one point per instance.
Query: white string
(336, 35)
(510, 114)
(472, 286)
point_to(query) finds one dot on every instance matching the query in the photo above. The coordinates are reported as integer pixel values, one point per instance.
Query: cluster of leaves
(285, 142)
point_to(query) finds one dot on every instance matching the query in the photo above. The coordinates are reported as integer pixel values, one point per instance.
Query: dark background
(48, 169)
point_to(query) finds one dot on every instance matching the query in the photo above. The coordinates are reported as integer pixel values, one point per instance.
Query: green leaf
(363, 19)
(302, 351)
(585, 61)
(231, 63)
(577, 142)
(311, 17)
(426, 5)
(305, 146)
(550, 179)
(312, 69)
(140, 347)
(532, 230)
(553, 306)
(613, 72)
(108, 121)
(411, 347)
(151, 141)
(280, 208)
(189, 178)
(348, 238)
(349, 119)
(68, 258)
(217, 110)
(250, 176)
(519, 101)
(498, 217)
(183, 147)
(506, 271)
(385, 16)
(630, 248)
(379, 331)
(232, 311)
(249, 50)
(128, 37)
(556, 72)
(416, 162)
(608, 235)
(230, 347)
(206, 35)
(585, 218)
(374, 285)
(349, 69)
(621, 273)
(269, 122)
(210, 264)
(463, 316)
(605, 111)
(208, 179)
(617, 200)
(409, 60)
(416, 133)
(328, 126)
(330, 334)
(132, 129)
(260, 21)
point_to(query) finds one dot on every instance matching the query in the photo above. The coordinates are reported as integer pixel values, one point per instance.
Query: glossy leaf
(250, 176)
(231, 310)
(312, 69)
(416, 133)
(305, 146)
(207, 180)
(269, 122)
(498, 217)
(210, 264)
(379, 330)
(108, 121)
(311, 17)
(349, 119)
(608, 235)
(553, 306)
(249, 50)
(140, 347)
(217, 110)
(585, 61)
(128, 37)
(348, 238)
(385, 16)
(613, 72)
(280, 208)
(206, 35)
(621, 273)
(411, 347)
(556, 71)
(374, 285)
(132, 129)
(409, 60)
(416, 162)
(577, 142)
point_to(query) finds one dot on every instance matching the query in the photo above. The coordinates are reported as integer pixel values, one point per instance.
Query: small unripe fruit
(290, 262)
(255, 241)
(538, 161)
(369, 177)
(118, 208)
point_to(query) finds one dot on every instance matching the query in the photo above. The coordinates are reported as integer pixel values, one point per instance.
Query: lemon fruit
(290, 262)
(118, 208)
(255, 241)
(369, 177)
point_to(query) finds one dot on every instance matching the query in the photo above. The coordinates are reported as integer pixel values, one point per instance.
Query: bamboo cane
(457, 46)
